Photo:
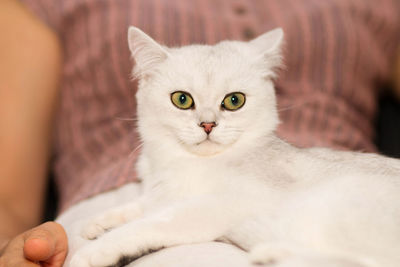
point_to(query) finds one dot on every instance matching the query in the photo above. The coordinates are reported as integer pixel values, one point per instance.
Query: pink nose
(208, 126)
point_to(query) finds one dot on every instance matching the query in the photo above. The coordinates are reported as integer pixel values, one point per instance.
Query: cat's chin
(206, 148)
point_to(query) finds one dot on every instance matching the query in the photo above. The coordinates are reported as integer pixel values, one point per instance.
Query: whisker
(126, 119)
(135, 149)
(293, 106)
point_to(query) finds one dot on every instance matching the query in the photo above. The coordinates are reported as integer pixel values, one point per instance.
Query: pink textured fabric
(337, 53)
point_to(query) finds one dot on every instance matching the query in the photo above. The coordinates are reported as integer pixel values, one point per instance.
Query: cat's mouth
(206, 141)
(207, 147)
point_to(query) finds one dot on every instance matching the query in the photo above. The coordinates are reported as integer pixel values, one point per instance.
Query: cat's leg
(197, 220)
(112, 218)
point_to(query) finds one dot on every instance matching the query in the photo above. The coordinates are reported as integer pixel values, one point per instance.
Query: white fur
(241, 184)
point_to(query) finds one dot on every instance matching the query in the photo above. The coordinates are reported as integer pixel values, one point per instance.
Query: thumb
(46, 243)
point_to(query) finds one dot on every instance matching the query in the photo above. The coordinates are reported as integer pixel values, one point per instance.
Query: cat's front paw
(110, 219)
(92, 230)
(93, 255)
(97, 226)
(79, 260)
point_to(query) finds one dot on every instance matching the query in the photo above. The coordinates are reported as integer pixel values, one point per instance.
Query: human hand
(45, 245)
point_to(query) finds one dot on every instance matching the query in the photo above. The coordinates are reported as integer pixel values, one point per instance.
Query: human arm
(29, 74)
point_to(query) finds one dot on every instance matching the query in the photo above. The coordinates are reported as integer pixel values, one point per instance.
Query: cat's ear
(269, 46)
(146, 52)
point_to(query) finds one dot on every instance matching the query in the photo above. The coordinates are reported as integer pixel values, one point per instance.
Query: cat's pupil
(182, 99)
(234, 100)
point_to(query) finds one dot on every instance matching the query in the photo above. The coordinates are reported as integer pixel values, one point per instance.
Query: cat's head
(206, 99)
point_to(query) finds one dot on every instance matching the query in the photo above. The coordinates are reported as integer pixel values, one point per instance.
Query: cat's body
(215, 171)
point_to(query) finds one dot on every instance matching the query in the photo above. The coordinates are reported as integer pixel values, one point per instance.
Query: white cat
(213, 169)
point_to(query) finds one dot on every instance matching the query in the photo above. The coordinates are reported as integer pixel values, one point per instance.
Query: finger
(46, 243)
(38, 247)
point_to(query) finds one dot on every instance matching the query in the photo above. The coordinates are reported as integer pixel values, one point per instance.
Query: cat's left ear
(269, 46)
(146, 52)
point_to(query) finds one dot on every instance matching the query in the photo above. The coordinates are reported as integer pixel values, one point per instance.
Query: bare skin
(30, 68)
(45, 245)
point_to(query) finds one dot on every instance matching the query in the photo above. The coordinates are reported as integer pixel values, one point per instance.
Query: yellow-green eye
(233, 101)
(182, 100)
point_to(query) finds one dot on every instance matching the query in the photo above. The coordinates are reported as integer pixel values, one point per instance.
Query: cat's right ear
(146, 52)
(269, 46)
